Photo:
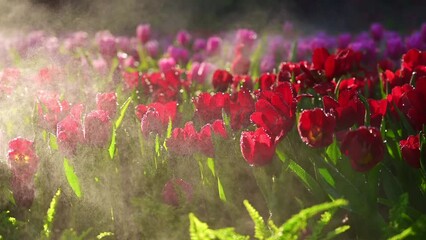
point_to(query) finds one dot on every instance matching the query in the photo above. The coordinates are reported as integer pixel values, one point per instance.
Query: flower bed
(300, 137)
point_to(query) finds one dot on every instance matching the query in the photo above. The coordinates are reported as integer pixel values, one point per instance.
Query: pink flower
(97, 128)
(107, 102)
(69, 133)
(166, 64)
(143, 32)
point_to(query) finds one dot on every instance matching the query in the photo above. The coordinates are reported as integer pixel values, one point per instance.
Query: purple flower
(213, 45)
(199, 44)
(179, 54)
(376, 31)
(143, 32)
(267, 63)
(343, 40)
(152, 47)
(183, 38)
(246, 37)
(395, 48)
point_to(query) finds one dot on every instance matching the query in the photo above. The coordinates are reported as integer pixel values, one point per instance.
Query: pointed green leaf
(53, 142)
(210, 164)
(222, 195)
(72, 178)
(327, 176)
(112, 145)
(123, 110)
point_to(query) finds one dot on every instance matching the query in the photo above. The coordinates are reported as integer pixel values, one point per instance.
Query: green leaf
(123, 110)
(72, 178)
(324, 220)
(327, 176)
(226, 119)
(333, 152)
(292, 227)
(102, 235)
(157, 145)
(280, 155)
(112, 145)
(200, 231)
(260, 229)
(210, 164)
(169, 128)
(47, 226)
(422, 136)
(367, 110)
(53, 142)
(337, 232)
(310, 183)
(222, 195)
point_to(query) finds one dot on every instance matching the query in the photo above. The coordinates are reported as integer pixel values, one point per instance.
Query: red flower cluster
(348, 109)
(155, 117)
(276, 110)
(335, 65)
(187, 141)
(51, 109)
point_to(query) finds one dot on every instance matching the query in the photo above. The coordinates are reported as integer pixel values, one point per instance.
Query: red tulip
(348, 110)
(205, 143)
(69, 133)
(107, 102)
(267, 81)
(364, 147)
(23, 161)
(97, 128)
(221, 80)
(22, 158)
(51, 109)
(275, 110)
(241, 109)
(131, 79)
(183, 140)
(242, 82)
(316, 128)
(176, 192)
(208, 108)
(258, 147)
(410, 149)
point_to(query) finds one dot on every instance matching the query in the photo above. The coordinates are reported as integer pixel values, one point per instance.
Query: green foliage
(200, 231)
(9, 226)
(310, 183)
(415, 231)
(117, 124)
(72, 178)
(333, 152)
(71, 234)
(291, 229)
(50, 216)
(260, 229)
